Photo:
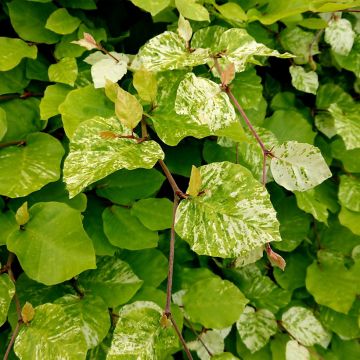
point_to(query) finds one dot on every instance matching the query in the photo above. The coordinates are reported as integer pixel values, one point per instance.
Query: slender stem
(144, 132)
(182, 340)
(8, 266)
(11, 143)
(12, 340)
(101, 48)
(167, 311)
(198, 336)
(25, 95)
(172, 181)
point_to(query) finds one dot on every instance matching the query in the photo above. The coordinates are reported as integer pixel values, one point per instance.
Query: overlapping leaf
(93, 156)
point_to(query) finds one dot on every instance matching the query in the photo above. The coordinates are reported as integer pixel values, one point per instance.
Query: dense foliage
(160, 161)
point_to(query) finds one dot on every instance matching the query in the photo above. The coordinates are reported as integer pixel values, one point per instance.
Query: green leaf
(128, 109)
(29, 20)
(28, 168)
(153, 7)
(313, 23)
(53, 247)
(113, 280)
(192, 10)
(290, 125)
(262, 292)
(224, 356)
(346, 326)
(133, 236)
(331, 283)
(61, 22)
(294, 224)
(172, 127)
(214, 303)
(204, 102)
(7, 225)
(298, 166)
(83, 104)
(184, 29)
(7, 291)
(340, 35)
(125, 186)
(93, 226)
(65, 71)
(167, 51)
(232, 228)
(349, 158)
(79, 4)
(347, 125)
(300, 43)
(304, 81)
(232, 11)
(52, 334)
(14, 80)
(91, 313)
(349, 192)
(155, 214)
(350, 219)
(3, 123)
(146, 85)
(138, 334)
(256, 327)
(13, 51)
(351, 61)
(305, 327)
(143, 260)
(331, 93)
(22, 214)
(92, 157)
(293, 277)
(53, 97)
(240, 48)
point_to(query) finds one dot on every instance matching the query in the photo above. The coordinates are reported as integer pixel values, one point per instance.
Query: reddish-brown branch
(11, 143)
(198, 336)
(182, 340)
(172, 181)
(25, 95)
(8, 267)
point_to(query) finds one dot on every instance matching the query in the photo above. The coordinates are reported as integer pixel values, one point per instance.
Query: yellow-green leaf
(195, 182)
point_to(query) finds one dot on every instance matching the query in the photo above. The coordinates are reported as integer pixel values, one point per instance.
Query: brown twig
(24, 95)
(172, 181)
(182, 340)
(8, 266)
(11, 143)
(198, 336)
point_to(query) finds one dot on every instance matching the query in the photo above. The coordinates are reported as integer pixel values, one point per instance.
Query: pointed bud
(87, 42)
(184, 29)
(108, 135)
(228, 74)
(195, 182)
(22, 214)
(27, 313)
(275, 258)
(165, 322)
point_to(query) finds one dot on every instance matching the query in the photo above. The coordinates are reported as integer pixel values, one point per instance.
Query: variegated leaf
(347, 125)
(242, 223)
(298, 166)
(53, 334)
(172, 127)
(304, 81)
(295, 351)
(340, 35)
(139, 334)
(239, 48)
(7, 291)
(256, 327)
(168, 51)
(204, 102)
(349, 192)
(305, 327)
(93, 156)
(92, 314)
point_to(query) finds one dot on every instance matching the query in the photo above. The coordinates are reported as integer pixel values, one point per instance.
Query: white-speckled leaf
(93, 156)
(298, 166)
(7, 291)
(113, 280)
(92, 314)
(242, 223)
(172, 127)
(295, 351)
(52, 335)
(168, 51)
(204, 102)
(256, 327)
(25, 169)
(304, 81)
(214, 341)
(251, 257)
(305, 327)
(347, 125)
(349, 192)
(240, 49)
(139, 334)
(340, 35)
